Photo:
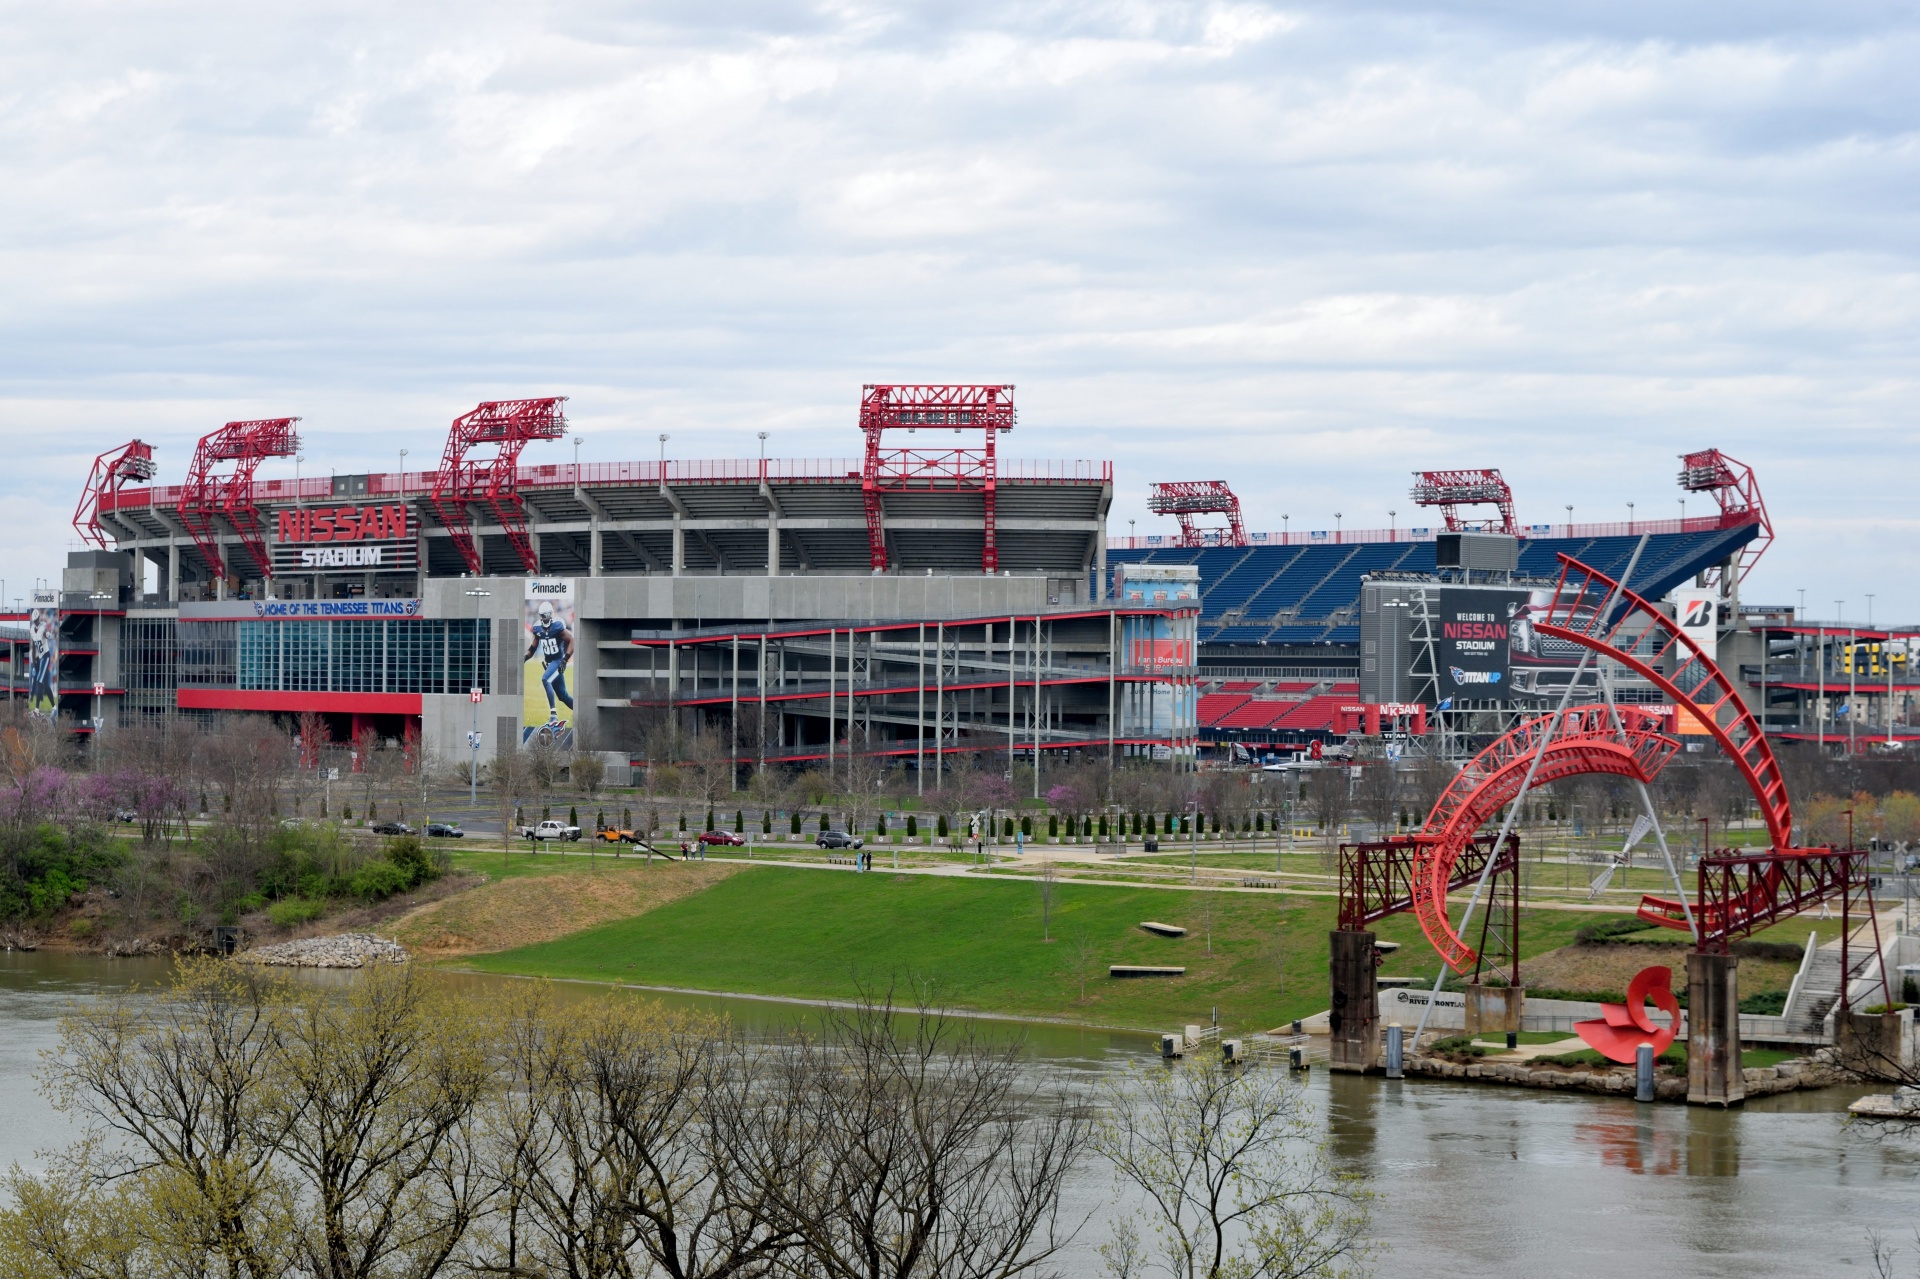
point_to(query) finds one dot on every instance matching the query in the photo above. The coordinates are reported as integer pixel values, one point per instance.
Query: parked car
(838, 839)
(617, 835)
(725, 838)
(125, 815)
(392, 828)
(444, 830)
(550, 830)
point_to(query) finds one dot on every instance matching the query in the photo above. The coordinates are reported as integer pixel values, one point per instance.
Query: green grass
(777, 931)
(1525, 1037)
(1676, 1055)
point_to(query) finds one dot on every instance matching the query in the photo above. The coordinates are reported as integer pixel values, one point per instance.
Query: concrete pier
(1494, 1010)
(1354, 1013)
(1714, 1077)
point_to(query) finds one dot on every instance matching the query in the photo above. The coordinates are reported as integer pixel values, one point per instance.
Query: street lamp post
(1336, 527)
(473, 696)
(1569, 519)
(1391, 517)
(1629, 519)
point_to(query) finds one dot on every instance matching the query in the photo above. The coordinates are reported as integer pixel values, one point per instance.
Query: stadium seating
(1310, 594)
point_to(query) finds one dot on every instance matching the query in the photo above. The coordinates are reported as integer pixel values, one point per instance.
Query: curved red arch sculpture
(1590, 609)
(1586, 740)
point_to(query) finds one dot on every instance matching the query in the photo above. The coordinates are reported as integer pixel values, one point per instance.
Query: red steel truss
(1376, 880)
(988, 409)
(508, 426)
(1451, 490)
(1585, 740)
(1734, 487)
(1184, 499)
(131, 461)
(1741, 894)
(206, 495)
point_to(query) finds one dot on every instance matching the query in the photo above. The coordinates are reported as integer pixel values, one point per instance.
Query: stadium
(925, 598)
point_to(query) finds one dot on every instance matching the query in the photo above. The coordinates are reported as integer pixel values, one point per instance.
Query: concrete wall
(688, 601)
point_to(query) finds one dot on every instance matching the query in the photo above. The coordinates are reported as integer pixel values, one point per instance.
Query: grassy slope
(816, 934)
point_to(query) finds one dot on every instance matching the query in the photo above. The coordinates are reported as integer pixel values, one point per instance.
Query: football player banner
(43, 654)
(546, 685)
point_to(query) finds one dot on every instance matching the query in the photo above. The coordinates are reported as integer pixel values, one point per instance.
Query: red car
(724, 837)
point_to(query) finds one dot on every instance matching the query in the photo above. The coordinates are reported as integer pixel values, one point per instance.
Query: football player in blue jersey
(554, 642)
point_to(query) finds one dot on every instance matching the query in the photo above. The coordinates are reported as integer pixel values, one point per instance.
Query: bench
(1145, 970)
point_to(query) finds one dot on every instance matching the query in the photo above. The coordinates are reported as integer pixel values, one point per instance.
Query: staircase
(1817, 988)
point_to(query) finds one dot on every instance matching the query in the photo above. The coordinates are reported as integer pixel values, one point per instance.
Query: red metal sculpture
(1184, 499)
(207, 495)
(1621, 1028)
(111, 470)
(1738, 893)
(1590, 609)
(1587, 740)
(987, 409)
(509, 426)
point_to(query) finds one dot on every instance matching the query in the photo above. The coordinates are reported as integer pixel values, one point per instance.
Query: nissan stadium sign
(344, 539)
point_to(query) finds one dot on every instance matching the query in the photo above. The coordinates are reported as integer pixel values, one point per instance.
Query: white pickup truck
(550, 830)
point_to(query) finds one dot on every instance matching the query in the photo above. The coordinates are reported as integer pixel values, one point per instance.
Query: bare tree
(1232, 1175)
(929, 1156)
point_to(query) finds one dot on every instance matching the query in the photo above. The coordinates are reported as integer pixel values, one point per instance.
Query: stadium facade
(919, 601)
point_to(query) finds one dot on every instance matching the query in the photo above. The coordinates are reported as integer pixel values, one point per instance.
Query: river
(1473, 1181)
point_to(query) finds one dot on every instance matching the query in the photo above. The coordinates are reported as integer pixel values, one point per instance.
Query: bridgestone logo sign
(327, 539)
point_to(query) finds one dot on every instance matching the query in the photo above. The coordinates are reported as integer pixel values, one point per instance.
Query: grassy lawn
(1676, 1053)
(773, 931)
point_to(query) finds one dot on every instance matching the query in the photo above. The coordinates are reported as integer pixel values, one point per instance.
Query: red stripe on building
(237, 699)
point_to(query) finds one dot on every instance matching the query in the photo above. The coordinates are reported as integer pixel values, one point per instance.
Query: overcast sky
(1307, 249)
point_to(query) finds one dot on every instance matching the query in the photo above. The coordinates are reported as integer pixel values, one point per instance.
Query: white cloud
(1309, 247)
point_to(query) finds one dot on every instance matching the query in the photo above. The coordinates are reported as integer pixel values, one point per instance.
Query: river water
(1473, 1181)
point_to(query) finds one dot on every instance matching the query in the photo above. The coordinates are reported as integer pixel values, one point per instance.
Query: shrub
(1053, 825)
(940, 826)
(1770, 1003)
(795, 823)
(1604, 931)
(1459, 1046)
(913, 827)
(377, 881)
(295, 910)
(1877, 1010)
(766, 822)
(414, 859)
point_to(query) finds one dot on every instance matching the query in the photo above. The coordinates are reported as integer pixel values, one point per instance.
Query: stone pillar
(1354, 1016)
(1876, 1045)
(1494, 1010)
(1713, 1032)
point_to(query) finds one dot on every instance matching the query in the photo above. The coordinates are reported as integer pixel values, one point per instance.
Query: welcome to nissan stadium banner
(343, 539)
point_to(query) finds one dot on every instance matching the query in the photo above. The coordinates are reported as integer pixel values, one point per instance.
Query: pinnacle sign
(351, 538)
